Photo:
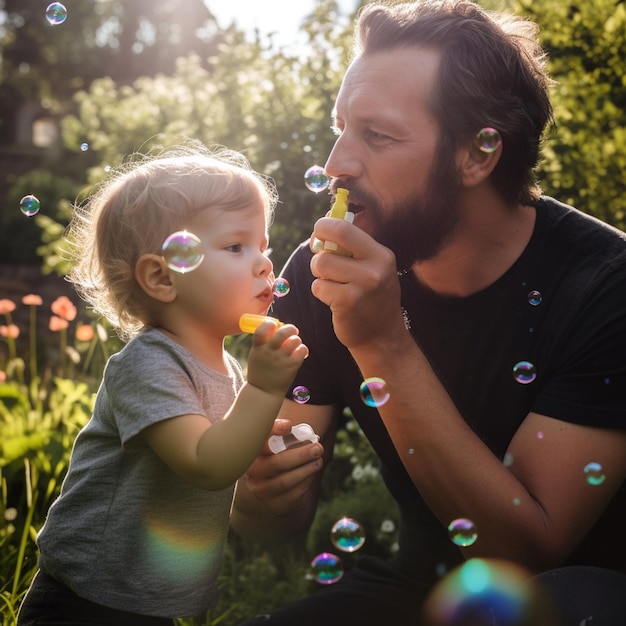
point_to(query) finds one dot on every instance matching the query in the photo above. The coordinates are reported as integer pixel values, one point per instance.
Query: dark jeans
(49, 603)
(375, 594)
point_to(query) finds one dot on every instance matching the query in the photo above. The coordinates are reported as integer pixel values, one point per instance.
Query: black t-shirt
(561, 308)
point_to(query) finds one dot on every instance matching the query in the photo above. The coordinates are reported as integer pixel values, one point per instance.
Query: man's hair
(491, 74)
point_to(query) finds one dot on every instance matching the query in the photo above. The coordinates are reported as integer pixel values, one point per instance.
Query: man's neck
(489, 238)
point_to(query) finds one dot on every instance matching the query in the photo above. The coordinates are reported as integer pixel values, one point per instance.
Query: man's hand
(362, 291)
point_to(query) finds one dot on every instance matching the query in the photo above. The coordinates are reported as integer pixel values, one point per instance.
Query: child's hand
(275, 357)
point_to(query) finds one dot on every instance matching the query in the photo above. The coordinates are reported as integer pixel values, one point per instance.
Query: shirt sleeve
(147, 383)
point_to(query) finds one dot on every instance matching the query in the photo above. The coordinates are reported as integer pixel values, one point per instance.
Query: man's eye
(376, 136)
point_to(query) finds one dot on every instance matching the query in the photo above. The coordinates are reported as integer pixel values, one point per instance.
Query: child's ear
(154, 277)
(475, 164)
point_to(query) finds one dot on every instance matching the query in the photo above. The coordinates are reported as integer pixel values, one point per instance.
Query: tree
(124, 40)
(585, 158)
(272, 106)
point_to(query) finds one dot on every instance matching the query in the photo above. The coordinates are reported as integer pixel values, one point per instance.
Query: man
(496, 316)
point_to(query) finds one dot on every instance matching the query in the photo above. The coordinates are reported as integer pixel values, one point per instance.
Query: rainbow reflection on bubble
(301, 394)
(594, 473)
(182, 251)
(347, 534)
(462, 532)
(534, 297)
(374, 392)
(280, 287)
(327, 568)
(56, 13)
(315, 179)
(489, 140)
(30, 205)
(524, 372)
(485, 592)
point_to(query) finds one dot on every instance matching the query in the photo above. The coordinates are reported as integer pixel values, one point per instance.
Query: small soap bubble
(30, 205)
(84, 147)
(539, 434)
(327, 568)
(594, 474)
(516, 501)
(411, 450)
(56, 13)
(347, 535)
(280, 287)
(508, 459)
(489, 140)
(301, 394)
(315, 179)
(524, 372)
(374, 392)
(182, 251)
(534, 298)
(462, 532)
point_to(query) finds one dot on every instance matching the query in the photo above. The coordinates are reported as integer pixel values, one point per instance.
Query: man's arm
(277, 498)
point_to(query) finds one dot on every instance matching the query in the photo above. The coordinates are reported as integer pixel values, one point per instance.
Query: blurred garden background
(119, 77)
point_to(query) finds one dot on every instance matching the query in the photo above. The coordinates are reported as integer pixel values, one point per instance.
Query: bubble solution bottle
(339, 210)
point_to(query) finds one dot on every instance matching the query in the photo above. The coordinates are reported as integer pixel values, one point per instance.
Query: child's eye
(236, 247)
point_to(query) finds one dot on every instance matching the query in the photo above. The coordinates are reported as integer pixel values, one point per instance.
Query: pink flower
(3, 376)
(57, 323)
(11, 331)
(6, 306)
(84, 332)
(32, 299)
(63, 307)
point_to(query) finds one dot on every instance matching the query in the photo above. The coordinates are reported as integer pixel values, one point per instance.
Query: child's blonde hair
(138, 207)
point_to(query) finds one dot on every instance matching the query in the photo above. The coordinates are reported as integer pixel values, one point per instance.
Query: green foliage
(20, 236)
(585, 157)
(273, 107)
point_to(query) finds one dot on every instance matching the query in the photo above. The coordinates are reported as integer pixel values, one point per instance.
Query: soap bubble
(347, 535)
(84, 147)
(534, 297)
(489, 140)
(327, 568)
(374, 392)
(30, 205)
(462, 532)
(301, 394)
(486, 591)
(182, 251)
(594, 474)
(315, 179)
(524, 372)
(280, 287)
(56, 13)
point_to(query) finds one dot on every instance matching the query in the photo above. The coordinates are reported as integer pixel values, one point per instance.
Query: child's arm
(214, 456)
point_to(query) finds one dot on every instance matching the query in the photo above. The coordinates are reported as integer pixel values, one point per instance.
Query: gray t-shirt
(126, 532)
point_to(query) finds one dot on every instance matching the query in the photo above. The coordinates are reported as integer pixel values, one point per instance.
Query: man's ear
(154, 277)
(475, 164)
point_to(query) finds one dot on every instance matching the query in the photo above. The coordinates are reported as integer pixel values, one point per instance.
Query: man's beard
(417, 228)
